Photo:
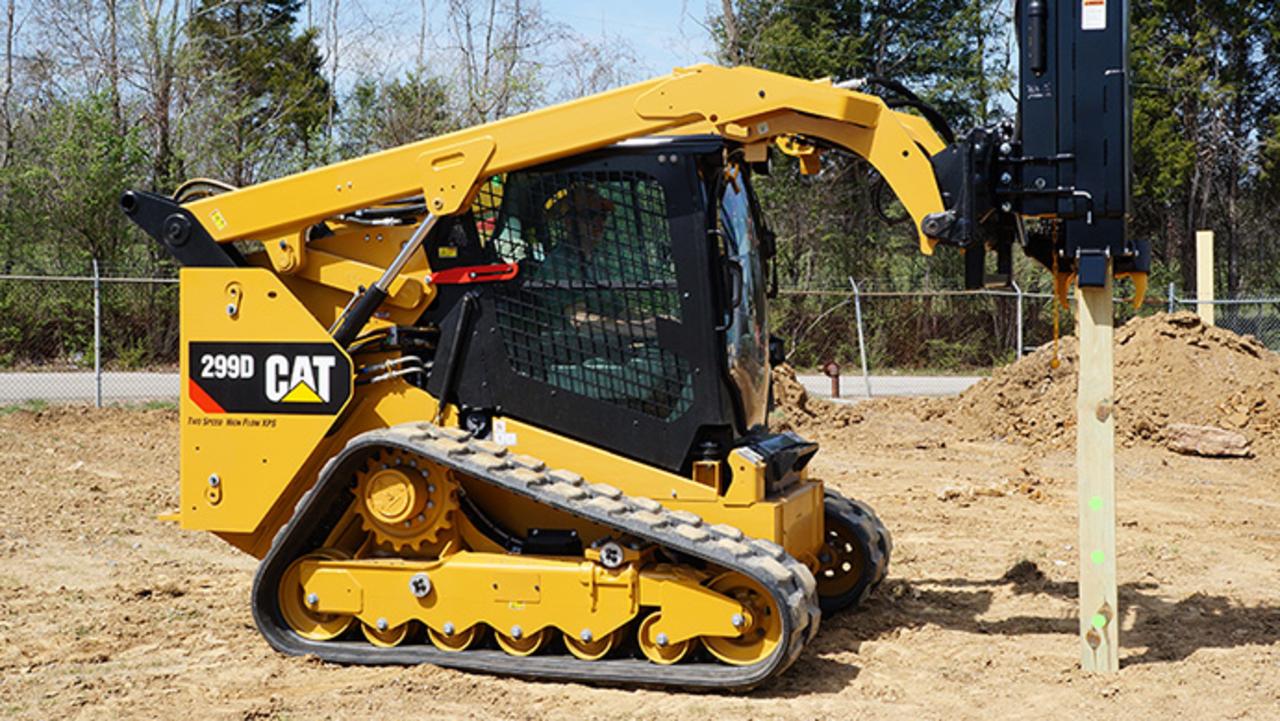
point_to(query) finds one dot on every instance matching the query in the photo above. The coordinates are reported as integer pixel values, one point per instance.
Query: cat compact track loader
(497, 400)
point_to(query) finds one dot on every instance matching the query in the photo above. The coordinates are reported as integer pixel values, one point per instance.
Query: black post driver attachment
(1072, 170)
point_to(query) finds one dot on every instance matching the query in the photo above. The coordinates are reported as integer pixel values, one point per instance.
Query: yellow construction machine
(497, 400)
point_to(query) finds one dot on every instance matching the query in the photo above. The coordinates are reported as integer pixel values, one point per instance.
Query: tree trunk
(113, 64)
(732, 41)
(8, 86)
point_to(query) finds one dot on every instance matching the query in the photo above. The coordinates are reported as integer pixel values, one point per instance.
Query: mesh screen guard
(596, 275)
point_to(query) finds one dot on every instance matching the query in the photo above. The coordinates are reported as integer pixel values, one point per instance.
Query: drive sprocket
(404, 501)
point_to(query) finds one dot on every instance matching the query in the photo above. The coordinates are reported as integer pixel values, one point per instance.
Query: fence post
(1204, 275)
(1171, 298)
(862, 344)
(97, 335)
(1017, 289)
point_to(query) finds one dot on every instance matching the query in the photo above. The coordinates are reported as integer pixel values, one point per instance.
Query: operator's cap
(577, 198)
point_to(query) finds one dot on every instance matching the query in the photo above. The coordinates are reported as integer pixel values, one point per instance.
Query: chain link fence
(100, 337)
(1255, 316)
(885, 341)
(111, 337)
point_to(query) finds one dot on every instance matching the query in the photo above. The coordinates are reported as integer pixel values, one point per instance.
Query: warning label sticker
(1093, 15)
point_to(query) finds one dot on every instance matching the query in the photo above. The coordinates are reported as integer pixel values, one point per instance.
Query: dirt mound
(1168, 369)
(800, 412)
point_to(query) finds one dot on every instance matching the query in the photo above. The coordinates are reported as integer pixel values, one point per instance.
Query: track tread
(787, 580)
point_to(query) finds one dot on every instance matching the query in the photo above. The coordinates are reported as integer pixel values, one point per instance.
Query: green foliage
(49, 324)
(1270, 177)
(143, 325)
(1206, 108)
(950, 49)
(828, 226)
(237, 91)
(130, 354)
(63, 187)
(903, 333)
(1206, 86)
(380, 114)
(28, 406)
(268, 99)
(158, 406)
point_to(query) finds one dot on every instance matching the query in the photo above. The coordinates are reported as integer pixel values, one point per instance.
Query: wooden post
(1204, 275)
(1096, 481)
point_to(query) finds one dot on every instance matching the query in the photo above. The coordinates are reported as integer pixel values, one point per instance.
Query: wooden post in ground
(1096, 480)
(1204, 275)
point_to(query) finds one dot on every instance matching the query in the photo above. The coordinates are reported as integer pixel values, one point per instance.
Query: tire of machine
(861, 546)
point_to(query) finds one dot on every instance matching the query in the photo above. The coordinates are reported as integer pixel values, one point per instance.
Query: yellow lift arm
(747, 105)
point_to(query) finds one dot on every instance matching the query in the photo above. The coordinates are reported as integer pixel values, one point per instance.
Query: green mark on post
(1098, 557)
(1098, 621)
(1095, 503)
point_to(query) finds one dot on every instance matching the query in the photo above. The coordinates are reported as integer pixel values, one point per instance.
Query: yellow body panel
(264, 462)
(921, 131)
(354, 256)
(235, 465)
(378, 406)
(793, 519)
(470, 588)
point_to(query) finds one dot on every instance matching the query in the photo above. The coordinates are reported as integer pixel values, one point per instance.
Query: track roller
(760, 630)
(592, 649)
(656, 648)
(518, 643)
(386, 638)
(296, 609)
(455, 641)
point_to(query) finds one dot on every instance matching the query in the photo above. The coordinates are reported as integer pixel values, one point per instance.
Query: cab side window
(596, 276)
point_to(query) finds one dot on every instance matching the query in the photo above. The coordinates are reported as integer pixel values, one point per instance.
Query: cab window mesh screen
(596, 275)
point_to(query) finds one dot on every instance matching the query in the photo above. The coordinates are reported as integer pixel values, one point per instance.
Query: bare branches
(591, 66)
(498, 46)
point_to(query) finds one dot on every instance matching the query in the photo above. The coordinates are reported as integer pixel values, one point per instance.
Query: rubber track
(788, 581)
(867, 525)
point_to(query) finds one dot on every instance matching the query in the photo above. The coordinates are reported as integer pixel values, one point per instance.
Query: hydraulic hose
(911, 100)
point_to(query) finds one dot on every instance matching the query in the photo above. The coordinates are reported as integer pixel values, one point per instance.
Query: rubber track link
(863, 521)
(789, 582)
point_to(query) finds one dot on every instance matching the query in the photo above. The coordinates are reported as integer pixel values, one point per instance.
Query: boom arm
(744, 104)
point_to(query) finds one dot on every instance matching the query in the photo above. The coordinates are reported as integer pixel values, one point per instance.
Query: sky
(375, 35)
(663, 33)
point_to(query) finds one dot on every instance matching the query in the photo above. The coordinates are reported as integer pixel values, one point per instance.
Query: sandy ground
(106, 612)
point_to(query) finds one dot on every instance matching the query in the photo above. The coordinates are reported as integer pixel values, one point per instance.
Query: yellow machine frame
(260, 475)
(242, 474)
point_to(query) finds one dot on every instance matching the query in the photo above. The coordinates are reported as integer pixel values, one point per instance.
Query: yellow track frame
(467, 588)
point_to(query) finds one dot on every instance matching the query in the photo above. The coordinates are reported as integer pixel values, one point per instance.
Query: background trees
(265, 99)
(96, 96)
(1206, 144)
(1205, 108)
